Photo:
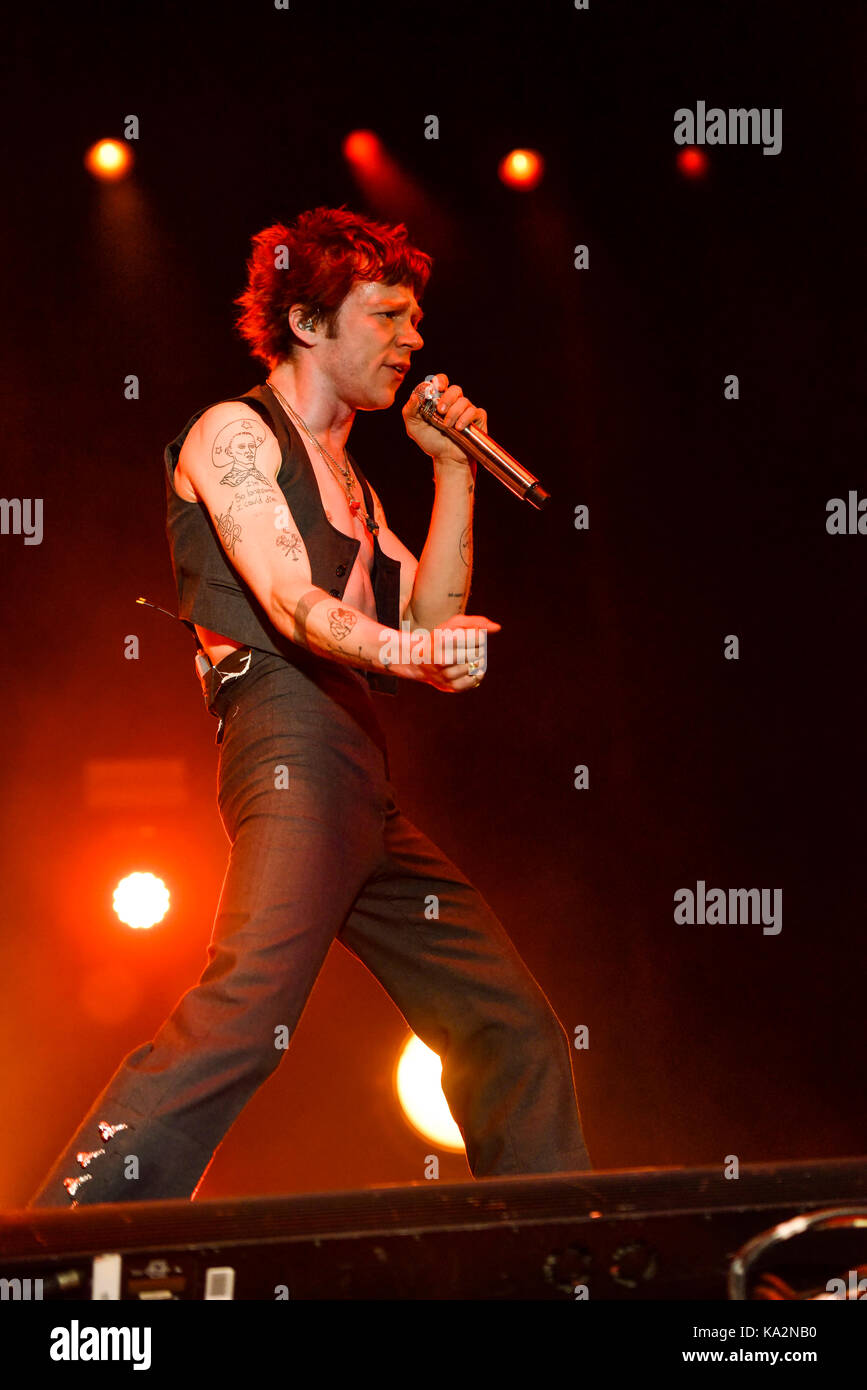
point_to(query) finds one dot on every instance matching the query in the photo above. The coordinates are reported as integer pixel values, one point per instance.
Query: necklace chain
(329, 459)
(354, 504)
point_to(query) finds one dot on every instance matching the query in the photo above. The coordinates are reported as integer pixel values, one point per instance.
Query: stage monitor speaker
(647, 1233)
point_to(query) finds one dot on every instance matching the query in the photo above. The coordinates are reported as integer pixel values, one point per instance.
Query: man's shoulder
(230, 408)
(218, 431)
(231, 413)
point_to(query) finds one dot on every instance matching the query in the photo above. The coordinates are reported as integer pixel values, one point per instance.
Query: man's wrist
(446, 465)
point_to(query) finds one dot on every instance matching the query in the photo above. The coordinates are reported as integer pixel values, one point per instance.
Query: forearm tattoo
(363, 660)
(466, 545)
(341, 621)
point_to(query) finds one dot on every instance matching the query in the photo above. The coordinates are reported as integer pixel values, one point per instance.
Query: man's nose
(412, 339)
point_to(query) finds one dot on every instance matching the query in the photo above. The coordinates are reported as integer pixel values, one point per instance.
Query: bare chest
(336, 502)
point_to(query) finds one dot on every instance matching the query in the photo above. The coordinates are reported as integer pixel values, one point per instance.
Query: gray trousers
(320, 850)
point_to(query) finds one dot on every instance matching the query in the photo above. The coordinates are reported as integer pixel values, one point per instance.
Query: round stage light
(522, 169)
(362, 147)
(141, 900)
(420, 1092)
(109, 159)
(692, 162)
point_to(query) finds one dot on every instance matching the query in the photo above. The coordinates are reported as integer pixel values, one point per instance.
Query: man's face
(377, 331)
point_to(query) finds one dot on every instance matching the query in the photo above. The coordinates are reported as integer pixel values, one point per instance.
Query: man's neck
(313, 398)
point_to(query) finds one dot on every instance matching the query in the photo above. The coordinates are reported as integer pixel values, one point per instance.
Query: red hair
(315, 263)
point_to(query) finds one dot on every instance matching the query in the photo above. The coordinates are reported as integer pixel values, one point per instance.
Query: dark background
(707, 519)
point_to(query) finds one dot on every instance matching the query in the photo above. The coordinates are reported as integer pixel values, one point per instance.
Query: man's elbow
(407, 619)
(289, 607)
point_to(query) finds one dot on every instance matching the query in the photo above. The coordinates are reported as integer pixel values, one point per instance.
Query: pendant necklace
(348, 485)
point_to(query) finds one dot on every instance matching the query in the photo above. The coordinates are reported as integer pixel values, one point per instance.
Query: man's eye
(391, 313)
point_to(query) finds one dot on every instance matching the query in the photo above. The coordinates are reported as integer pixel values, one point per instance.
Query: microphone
(481, 447)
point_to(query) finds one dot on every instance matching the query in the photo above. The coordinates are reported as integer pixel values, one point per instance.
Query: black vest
(213, 594)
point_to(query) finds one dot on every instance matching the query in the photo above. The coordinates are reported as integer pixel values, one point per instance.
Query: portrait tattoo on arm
(235, 448)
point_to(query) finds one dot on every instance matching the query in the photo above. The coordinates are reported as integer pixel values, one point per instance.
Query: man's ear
(301, 320)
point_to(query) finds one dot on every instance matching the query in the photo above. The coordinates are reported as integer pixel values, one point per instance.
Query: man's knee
(539, 1027)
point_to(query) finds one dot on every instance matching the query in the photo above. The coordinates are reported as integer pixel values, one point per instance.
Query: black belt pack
(213, 678)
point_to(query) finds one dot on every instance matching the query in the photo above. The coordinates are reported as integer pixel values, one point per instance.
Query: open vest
(212, 594)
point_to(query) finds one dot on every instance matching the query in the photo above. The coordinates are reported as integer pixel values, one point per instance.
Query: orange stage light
(109, 159)
(522, 169)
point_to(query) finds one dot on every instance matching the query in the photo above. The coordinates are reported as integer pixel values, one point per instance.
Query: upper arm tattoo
(230, 531)
(235, 448)
(290, 543)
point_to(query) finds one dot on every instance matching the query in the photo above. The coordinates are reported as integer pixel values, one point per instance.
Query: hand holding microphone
(434, 405)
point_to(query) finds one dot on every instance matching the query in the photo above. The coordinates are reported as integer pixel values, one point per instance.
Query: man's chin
(380, 400)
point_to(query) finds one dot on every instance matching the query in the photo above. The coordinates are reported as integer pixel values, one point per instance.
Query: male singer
(295, 586)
